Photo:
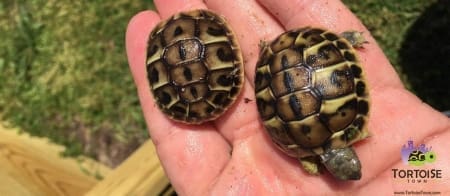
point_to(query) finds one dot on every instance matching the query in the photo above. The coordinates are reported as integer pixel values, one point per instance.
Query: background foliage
(64, 73)
(415, 35)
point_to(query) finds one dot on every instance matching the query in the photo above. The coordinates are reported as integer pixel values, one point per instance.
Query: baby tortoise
(313, 99)
(194, 66)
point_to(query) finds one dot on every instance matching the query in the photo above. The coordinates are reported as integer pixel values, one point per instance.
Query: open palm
(234, 155)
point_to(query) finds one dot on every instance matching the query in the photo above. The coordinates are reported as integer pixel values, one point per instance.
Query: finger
(298, 13)
(240, 121)
(251, 24)
(167, 8)
(182, 149)
(254, 170)
(136, 42)
(335, 16)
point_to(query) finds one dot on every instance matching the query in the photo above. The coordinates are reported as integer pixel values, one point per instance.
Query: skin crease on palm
(234, 155)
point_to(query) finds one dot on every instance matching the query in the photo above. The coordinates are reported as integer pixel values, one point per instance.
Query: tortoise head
(343, 163)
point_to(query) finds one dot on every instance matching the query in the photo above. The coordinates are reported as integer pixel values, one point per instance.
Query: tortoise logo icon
(417, 156)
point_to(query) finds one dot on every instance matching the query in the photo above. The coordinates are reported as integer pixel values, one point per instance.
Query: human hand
(234, 155)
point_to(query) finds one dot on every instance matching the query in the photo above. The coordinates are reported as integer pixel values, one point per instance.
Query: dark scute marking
(215, 31)
(193, 114)
(316, 31)
(363, 107)
(350, 104)
(356, 70)
(331, 36)
(208, 93)
(311, 59)
(292, 34)
(359, 122)
(261, 104)
(295, 106)
(349, 56)
(224, 80)
(306, 129)
(325, 50)
(178, 109)
(284, 61)
(337, 74)
(226, 101)
(179, 116)
(360, 88)
(325, 119)
(300, 48)
(267, 76)
(268, 59)
(288, 81)
(209, 109)
(224, 56)
(219, 99)
(258, 79)
(306, 34)
(182, 52)
(194, 92)
(275, 42)
(203, 14)
(154, 75)
(316, 39)
(234, 91)
(314, 36)
(152, 50)
(334, 79)
(261, 78)
(348, 74)
(311, 32)
(341, 45)
(165, 98)
(178, 31)
(187, 73)
(237, 80)
(343, 114)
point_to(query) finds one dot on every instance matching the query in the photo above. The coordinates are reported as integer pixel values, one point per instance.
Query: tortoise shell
(311, 93)
(194, 66)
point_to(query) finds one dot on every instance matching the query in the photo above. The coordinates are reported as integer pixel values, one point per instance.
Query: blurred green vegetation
(64, 73)
(415, 36)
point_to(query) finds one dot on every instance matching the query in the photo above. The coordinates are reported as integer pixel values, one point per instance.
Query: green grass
(415, 37)
(64, 73)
